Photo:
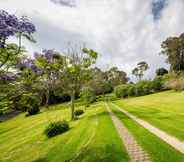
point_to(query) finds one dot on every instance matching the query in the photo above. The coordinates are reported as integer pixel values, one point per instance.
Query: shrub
(121, 91)
(56, 128)
(88, 96)
(30, 103)
(78, 112)
(1, 112)
(161, 71)
(176, 84)
(143, 88)
(158, 84)
(131, 90)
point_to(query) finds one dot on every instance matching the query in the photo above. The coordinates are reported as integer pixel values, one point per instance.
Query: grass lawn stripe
(158, 150)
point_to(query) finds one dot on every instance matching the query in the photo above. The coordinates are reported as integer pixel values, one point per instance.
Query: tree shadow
(102, 153)
(43, 159)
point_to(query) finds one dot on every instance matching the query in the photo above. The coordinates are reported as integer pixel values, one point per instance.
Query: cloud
(68, 3)
(123, 32)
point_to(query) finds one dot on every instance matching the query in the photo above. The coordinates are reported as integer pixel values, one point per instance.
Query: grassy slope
(164, 110)
(22, 139)
(157, 149)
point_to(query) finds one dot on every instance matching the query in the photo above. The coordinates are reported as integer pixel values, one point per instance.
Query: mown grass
(158, 150)
(91, 138)
(164, 110)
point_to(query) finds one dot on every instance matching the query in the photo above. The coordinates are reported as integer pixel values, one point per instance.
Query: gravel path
(135, 151)
(174, 142)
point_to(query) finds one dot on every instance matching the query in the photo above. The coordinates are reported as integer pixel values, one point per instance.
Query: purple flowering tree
(12, 26)
(50, 64)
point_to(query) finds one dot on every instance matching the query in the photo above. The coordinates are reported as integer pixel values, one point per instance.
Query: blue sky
(124, 32)
(157, 8)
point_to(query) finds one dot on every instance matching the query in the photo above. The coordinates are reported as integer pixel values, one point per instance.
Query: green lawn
(164, 110)
(91, 138)
(156, 148)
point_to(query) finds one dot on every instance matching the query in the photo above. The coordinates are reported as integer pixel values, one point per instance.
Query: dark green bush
(139, 89)
(157, 84)
(78, 112)
(161, 71)
(143, 88)
(121, 90)
(131, 90)
(30, 103)
(1, 112)
(56, 128)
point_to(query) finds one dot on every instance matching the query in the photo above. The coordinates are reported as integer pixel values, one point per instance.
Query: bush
(161, 71)
(122, 90)
(176, 84)
(139, 89)
(78, 112)
(56, 128)
(1, 112)
(158, 84)
(143, 88)
(30, 103)
(88, 96)
(131, 90)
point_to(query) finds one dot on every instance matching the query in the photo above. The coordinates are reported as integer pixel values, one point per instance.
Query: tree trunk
(72, 106)
(47, 98)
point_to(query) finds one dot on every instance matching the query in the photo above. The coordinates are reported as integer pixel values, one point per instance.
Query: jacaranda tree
(11, 25)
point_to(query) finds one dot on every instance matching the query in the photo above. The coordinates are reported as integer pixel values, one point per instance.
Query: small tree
(88, 96)
(76, 71)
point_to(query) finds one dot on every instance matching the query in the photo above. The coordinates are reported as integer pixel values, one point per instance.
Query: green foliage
(56, 128)
(1, 112)
(172, 47)
(88, 96)
(143, 88)
(78, 112)
(30, 103)
(121, 90)
(158, 84)
(161, 71)
(140, 69)
(116, 77)
(131, 90)
(139, 89)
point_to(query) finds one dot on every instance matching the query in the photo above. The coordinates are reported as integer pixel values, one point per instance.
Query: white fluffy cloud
(123, 32)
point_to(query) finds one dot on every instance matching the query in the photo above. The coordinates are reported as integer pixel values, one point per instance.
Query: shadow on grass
(40, 160)
(102, 153)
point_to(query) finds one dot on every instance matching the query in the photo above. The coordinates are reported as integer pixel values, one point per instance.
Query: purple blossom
(7, 77)
(36, 55)
(48, 54)
(24, 26)
(27, 63)
(10, 25)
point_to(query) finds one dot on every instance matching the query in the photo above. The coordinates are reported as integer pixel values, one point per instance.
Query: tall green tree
(173, 49)
(140, 69)
(116, 77)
